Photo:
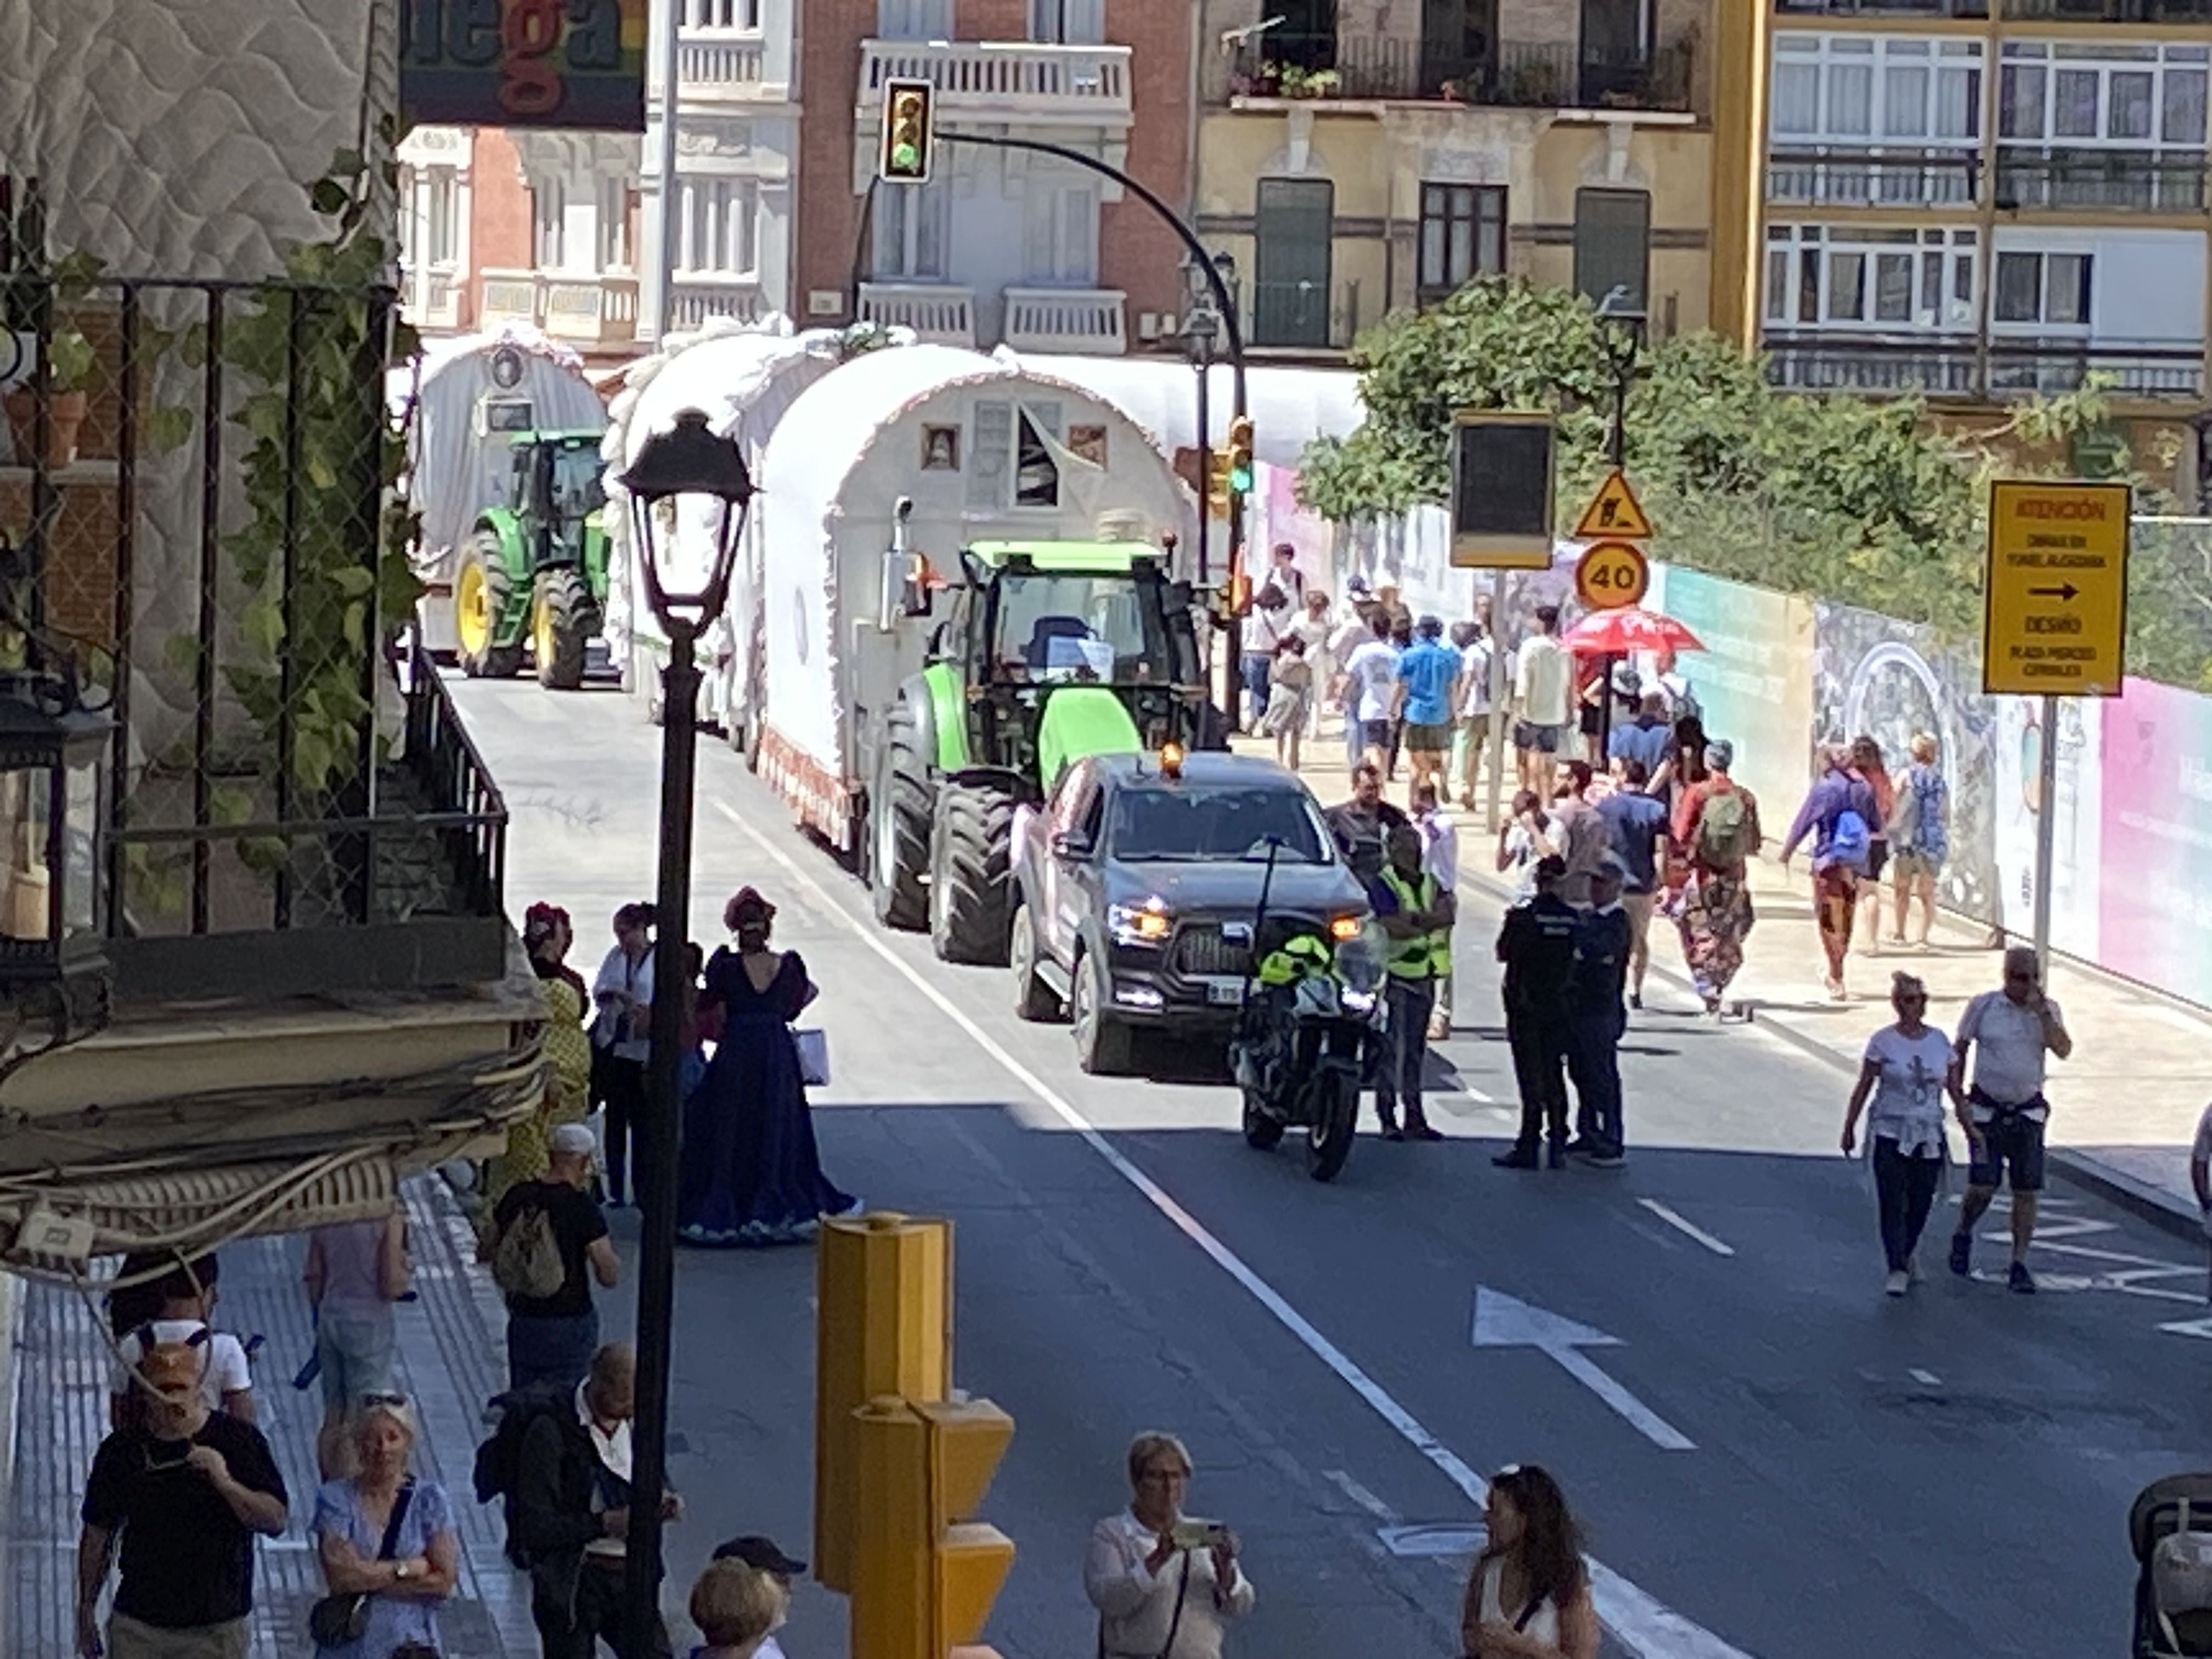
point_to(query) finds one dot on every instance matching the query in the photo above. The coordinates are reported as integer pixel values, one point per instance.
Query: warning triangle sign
(1613, 511)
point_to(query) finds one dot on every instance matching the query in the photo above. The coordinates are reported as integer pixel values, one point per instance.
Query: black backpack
(499, 1459)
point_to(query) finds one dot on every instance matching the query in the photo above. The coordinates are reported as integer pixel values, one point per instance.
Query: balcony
(2108, 11)
(1515, 77)
(1015, 81)
(430, 297)
(589, 311)
(1900, 9)
(1957, 370)
(696, 297)
(938, 313)
(2060, 180)
(1873, 178)
(1303, 316)
(717, 68)
(1078, 321)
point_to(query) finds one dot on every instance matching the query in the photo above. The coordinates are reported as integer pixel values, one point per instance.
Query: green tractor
(1052, 651)
(534, 572)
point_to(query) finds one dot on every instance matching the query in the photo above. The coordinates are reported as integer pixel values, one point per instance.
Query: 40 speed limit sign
(1612, 575)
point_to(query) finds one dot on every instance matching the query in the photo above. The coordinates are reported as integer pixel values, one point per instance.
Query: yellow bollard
(882, 1328)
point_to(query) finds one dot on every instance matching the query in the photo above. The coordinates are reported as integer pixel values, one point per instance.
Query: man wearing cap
(187, 1488)
(551, 1338)
(1596, 1018)
(762, 1555)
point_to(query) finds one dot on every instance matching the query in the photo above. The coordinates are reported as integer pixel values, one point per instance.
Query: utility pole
(661, 289)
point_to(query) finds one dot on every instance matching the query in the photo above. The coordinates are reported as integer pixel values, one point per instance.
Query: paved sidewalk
(2124, 1107)
(450, 1362)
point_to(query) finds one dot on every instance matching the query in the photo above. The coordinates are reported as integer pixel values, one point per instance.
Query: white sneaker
(1913, 1267)
(1896, 1283)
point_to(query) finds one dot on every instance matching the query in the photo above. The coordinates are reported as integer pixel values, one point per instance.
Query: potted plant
(71, 361)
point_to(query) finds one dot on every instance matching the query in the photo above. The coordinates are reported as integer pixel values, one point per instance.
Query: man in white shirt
(1372, 694)
(1543, 699)
(2010, 1032)
(187, 1299)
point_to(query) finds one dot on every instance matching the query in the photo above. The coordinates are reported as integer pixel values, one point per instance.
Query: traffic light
(883, 1325)
(926, 1574)
(1217, 484)
(1240, 455)
(907, 135)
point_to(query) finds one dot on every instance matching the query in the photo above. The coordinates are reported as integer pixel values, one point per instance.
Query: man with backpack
(546, 1235)
(1841, 815)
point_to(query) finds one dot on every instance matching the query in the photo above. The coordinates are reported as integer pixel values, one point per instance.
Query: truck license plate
(1225, 989)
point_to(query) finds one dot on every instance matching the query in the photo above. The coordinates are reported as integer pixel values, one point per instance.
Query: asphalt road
(1771, 1457)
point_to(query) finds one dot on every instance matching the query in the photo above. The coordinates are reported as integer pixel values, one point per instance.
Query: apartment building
(1968, 199)
(1361, 155)
(775, 196)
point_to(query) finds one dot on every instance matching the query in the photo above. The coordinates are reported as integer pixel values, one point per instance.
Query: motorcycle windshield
(1359, 960)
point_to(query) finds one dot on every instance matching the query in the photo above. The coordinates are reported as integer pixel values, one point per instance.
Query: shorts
(1877, 855)
(354, 1354)
(1915, 866)
(130, 1638)
(1423, 738)
(1378, 735)
(2010, 1138)
(1543, 739)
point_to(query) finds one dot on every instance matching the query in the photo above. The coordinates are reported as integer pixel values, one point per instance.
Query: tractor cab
(557, 488)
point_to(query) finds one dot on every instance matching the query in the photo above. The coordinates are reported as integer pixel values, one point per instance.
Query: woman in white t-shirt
(1906, 1072)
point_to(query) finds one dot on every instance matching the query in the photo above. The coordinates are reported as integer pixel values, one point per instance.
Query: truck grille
(1201, 949)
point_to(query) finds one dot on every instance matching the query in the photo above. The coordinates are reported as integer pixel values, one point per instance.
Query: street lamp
(1621, 339)
(52, 813)
(686, 460)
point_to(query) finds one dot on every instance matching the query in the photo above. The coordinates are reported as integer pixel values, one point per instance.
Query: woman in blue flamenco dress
(752, 1174)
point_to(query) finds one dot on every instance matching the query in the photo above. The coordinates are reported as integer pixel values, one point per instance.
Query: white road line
(1927, 1379)
(1359, 1495)
(1682, 1225)
(1640, 1417)
(1649, 1628)
(1477, 1095)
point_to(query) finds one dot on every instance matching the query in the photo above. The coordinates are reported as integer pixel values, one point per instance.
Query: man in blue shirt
(1428, 674)
(1637, 825)
(1646, 739)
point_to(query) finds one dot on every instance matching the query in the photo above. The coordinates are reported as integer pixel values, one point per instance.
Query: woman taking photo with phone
(1528, 1596)
(1166, 1587)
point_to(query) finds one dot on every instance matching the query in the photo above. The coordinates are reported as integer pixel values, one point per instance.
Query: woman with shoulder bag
(1528, 1595)
(387, 1544)
(1165, 1587)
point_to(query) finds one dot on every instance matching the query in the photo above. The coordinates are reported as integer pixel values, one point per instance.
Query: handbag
(337, 1621)
(813, 1045)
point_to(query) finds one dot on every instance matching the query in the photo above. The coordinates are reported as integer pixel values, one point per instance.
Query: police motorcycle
(1301, 1048)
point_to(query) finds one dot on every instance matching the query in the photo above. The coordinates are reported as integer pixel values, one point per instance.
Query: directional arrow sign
(2063, 591)
(1506, 1321)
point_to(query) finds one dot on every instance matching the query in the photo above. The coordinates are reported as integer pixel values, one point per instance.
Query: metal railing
(1883, 7)
(1962, 369)
(1003, 78)
(1917, 177)
(1549, 76)
(1083, 320)
(940, 313)
(2108, 11)
(2146, 181)
(472, 820)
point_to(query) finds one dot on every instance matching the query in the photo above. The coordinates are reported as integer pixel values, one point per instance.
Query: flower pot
(65, 415)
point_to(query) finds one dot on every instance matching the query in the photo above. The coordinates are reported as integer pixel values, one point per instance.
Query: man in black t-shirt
(186, 1489)
(551, 1338)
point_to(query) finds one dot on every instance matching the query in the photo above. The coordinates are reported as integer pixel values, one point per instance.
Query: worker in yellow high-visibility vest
(1416, 913)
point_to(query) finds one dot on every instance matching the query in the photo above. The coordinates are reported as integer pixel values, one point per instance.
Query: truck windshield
(1074, 627)
(1180, 825)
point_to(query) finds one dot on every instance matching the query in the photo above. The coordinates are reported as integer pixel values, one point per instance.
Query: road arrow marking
(1506, 1321)
(2190, 1327)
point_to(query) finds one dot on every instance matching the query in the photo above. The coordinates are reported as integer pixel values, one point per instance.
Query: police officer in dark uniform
(1537, 945)
(1597, 1015)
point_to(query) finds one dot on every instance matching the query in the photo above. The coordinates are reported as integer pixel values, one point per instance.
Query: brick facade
(501, 224)
(1136, 253)
(826, 214)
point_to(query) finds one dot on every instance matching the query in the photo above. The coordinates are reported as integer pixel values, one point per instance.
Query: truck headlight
(1148, 923)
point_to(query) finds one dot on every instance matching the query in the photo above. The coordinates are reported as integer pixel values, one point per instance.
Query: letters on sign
(568, 63)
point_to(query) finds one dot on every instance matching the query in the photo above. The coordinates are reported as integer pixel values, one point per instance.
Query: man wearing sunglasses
(2010, 1032)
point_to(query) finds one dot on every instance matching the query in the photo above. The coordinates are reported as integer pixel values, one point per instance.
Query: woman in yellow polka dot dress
(547, 934)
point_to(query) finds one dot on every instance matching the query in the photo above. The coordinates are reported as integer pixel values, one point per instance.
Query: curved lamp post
(686, 460)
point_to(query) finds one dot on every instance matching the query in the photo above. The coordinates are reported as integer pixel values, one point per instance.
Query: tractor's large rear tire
(481, 591)
(970, 885)
(899, 808)
(562, 619)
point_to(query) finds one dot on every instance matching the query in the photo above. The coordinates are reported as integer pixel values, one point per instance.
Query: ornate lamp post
(687, 460)
(54, 812)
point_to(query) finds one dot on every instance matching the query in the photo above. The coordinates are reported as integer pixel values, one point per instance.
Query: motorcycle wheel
(1261, 1131)
(1336, 1116)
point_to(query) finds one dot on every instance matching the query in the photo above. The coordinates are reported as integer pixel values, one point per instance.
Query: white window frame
(719, 232)
(2168, 65)
(1887, 62)
(2068, 271)
(438, 190)
(1945, 262)
(902, 212)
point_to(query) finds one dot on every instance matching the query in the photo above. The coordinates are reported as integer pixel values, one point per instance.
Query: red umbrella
(1632, 627)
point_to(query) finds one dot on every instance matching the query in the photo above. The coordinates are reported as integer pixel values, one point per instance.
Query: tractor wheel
(480, 591)
(562, 619)
(969, 878)
(899, 809)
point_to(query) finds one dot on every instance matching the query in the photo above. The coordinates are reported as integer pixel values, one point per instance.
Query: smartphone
(1198, 1534)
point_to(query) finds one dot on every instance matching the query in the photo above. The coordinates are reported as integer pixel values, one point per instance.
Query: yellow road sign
(1614, 512)
(2057, 589)
(1611, 574)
